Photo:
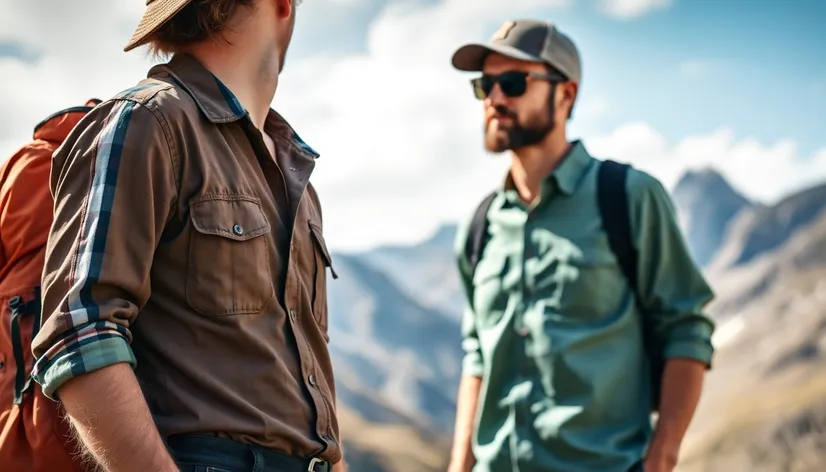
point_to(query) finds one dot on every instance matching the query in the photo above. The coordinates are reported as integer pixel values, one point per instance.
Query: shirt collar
(217, 102)
(568, 173)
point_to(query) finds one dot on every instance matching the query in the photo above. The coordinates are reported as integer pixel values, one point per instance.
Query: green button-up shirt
(553, 330)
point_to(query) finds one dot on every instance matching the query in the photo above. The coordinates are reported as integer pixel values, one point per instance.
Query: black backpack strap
(612, 199)
(478, 232)
(19, 308)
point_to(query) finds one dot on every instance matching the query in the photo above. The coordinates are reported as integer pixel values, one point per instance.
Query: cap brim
(157, 13)
(471, 57)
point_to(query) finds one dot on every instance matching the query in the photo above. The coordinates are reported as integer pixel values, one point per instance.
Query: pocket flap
(236, 218)
(318, 237)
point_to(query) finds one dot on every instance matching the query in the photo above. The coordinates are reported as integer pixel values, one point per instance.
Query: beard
(516, 134)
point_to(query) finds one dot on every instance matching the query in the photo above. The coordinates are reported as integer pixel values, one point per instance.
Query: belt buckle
(313, 462)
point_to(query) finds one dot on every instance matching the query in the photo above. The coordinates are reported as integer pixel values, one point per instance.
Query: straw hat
(156, 14)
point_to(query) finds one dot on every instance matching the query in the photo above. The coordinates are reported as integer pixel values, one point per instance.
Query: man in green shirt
(558, 374)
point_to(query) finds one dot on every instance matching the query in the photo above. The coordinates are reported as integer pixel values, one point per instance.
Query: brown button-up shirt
(180, 245)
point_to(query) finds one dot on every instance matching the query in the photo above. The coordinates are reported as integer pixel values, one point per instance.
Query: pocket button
(238, 230)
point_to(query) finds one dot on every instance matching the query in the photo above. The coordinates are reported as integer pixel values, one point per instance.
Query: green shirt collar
(568, 173)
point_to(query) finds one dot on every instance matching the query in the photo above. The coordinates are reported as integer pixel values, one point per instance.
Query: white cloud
(398, 129)
(764, 171)
(628, 9)
(80, 56)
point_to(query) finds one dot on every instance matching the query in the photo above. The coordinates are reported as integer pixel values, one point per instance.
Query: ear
(284, 8)
(566, 95)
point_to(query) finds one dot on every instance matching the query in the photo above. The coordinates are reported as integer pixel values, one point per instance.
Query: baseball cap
(527, 40)
(157, 13)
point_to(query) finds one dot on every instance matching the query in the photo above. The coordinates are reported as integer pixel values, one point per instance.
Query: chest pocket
(229, 261)
(581, 282)
(323, 261)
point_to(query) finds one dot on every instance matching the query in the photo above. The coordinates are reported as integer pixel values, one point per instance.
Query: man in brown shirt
(184, 290)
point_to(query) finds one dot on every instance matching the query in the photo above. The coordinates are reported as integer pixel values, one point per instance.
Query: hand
(339, 466)
(660, 459)
(460, 466)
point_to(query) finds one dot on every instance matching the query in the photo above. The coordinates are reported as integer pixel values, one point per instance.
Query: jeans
(210, 454)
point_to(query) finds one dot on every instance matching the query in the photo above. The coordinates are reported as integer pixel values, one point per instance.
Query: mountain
(397, 368)
(425, 271)
(764, 402)
(706, 205)
(388, 346)
(398, 447)
(764, 229)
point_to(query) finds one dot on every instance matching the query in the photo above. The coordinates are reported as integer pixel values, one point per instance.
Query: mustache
(503, 111)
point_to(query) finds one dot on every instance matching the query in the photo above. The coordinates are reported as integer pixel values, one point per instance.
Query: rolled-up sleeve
(472, 363)
(672, 288)
(114, 186)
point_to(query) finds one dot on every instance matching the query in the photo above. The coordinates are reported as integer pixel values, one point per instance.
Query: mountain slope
(764, 403)
(426, 271)
(372, 447)
(706, 204)
(394, 357)
(763, 229)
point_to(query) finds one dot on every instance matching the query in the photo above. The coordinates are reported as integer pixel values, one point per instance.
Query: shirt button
(237, 229)
(311, 379)
(292, 315)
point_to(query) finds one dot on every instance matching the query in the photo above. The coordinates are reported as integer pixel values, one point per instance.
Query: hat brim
(156, 14)
(471, 57)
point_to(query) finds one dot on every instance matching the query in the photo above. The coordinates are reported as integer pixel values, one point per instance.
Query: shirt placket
(520, 408)
(279, 187)
(525, 370)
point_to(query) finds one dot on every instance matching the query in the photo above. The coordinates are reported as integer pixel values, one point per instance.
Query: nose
(496, 97)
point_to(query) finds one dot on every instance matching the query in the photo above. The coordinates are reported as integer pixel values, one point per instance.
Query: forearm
(468, 401)
(681, 388)
(112, 420)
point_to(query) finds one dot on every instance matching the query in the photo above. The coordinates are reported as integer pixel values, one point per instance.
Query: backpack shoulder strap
(612, 199)
(477, 232)
(20, 308)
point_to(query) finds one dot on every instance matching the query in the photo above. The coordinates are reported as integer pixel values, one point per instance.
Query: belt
(190, 449)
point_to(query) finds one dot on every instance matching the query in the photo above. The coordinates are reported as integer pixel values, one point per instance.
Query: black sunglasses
(512, 83)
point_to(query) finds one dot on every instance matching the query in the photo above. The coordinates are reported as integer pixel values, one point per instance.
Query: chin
(497, 141)
(497, 146)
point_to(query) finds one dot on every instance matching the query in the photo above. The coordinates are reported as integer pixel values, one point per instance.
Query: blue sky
(668, 85)
(756, 66)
